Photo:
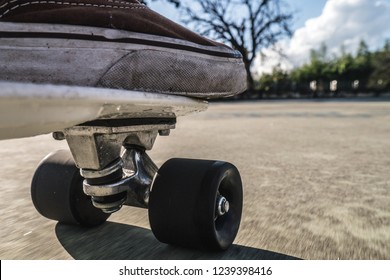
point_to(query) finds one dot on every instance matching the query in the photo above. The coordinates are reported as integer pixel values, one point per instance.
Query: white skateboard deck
(34, 109)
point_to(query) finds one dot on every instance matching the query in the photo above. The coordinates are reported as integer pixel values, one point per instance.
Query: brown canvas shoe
(115, 44)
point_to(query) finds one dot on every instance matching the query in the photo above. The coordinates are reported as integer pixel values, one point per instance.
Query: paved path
(316, 176)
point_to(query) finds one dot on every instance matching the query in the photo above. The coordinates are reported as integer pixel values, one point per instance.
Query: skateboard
(191, 203)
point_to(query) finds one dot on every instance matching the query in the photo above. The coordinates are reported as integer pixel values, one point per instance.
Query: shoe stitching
(112, 1)
(126, 3)
(53, 2)
(67, 3)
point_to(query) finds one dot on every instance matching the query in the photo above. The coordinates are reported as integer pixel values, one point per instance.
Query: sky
(336, 23)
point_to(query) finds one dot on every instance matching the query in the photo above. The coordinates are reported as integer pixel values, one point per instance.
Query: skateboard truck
(132, 189)
(191, 203)
(128, 178)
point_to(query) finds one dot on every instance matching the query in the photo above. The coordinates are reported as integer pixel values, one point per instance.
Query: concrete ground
(316, 183)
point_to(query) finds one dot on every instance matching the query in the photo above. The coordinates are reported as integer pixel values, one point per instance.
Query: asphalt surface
(316, 186)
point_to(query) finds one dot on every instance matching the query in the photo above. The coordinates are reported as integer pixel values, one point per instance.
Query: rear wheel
(57, 192)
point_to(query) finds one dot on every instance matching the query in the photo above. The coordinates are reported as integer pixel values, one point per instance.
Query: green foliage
(277, 82)
(380, 76)
(363, 72)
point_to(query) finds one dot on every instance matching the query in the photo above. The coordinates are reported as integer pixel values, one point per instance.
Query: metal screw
(58, 135)
(164, 132)
(223, 206)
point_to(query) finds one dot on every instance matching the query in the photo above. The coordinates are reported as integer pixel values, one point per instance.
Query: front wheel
(196, 203)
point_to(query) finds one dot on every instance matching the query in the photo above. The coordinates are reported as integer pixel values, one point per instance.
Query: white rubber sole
(99, 57)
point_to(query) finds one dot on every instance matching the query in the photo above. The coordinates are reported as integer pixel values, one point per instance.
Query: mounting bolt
(223, 206)
(164, 132)
(58, 135)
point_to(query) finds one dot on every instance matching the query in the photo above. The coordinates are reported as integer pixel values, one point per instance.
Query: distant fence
(318, 89)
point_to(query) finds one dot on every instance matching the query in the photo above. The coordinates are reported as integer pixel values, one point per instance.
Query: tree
(246, 25)
(362, 66)
(360, 73)
(277, 83)
(379, 79)
(317, 69)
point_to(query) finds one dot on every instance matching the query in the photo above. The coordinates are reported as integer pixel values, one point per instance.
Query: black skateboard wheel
(183, 203)
(57, 192)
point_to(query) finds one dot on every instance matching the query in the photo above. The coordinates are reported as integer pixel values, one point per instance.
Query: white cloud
(342, 22)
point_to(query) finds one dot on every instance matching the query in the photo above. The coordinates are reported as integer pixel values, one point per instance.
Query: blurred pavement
(316, 183)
